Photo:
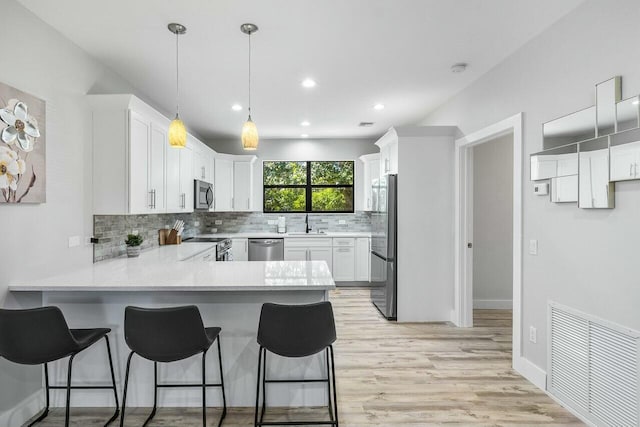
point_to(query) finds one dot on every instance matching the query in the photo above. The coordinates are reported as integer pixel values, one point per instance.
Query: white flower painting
(22, 147)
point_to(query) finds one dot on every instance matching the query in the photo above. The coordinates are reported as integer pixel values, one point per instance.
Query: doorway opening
(490, 195)
(510, 128)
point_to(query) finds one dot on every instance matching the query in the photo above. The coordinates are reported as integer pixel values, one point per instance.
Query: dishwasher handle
(263, 242)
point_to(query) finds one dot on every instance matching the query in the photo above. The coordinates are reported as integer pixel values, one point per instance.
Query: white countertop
(273, 235)
(168, 268)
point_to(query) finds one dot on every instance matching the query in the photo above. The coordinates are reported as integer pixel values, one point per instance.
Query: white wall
(493, 223)
(425, 227)
(35, 237)
(588, 259)
(303, 149)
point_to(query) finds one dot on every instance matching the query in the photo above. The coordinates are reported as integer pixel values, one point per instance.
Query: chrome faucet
(307, 229)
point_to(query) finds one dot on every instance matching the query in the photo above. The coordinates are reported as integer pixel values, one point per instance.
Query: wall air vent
(593, 367)
(365, 124)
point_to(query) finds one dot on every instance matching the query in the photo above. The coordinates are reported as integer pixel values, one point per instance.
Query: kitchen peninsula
(228, 294)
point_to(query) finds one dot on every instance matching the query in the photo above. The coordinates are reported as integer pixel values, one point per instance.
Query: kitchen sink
(302, 233)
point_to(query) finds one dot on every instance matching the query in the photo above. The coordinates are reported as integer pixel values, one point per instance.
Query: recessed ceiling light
(636, 102)
(365, 124)
(459, 67)
(304, 135)
(305, 123)
(308, 83)
(378, 107)
(236, 107)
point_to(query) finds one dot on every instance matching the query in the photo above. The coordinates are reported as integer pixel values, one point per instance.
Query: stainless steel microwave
(203, 197)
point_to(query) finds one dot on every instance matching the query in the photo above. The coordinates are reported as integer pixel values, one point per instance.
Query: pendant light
(249, 130)
(177, 131)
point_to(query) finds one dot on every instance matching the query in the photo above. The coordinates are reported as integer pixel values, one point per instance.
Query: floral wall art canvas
(22, 147)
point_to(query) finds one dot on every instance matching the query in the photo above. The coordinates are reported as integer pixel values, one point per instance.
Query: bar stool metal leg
(44, 413)
(255, 422)
(264, 385)
(224, 397)
(204, 389)
(113, 381)
(155, 394)
(66, 417)
(333, 376)
(124, 394)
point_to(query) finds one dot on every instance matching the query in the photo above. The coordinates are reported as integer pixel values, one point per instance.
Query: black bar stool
(40, 336)
(296, 331)
(168, 335)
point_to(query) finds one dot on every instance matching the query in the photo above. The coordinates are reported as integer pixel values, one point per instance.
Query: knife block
(168, 236)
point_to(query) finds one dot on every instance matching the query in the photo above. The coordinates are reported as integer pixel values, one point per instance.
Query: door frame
(463, 216)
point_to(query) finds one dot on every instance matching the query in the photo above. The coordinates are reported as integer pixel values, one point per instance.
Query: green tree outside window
(308, 186)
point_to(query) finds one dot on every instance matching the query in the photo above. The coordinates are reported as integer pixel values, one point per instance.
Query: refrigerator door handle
(381, 257)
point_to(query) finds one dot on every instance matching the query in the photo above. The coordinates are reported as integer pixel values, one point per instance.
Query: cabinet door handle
(232, 203)
(151, 199)
(631, 167)
(386, 165)
(344, 250)
(368, 202)
(248, 203)
(636, 170)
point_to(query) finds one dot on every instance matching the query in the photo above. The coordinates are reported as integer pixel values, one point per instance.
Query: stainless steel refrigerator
(384, 245)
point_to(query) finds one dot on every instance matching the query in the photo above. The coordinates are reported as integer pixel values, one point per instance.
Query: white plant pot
(133, 251)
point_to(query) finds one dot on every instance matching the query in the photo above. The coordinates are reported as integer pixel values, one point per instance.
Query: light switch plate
(196, 223)
(533, 334)
(342, 222)
(533, 247)
(74, 241)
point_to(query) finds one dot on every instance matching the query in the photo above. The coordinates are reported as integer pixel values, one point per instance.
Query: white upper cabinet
(243, 184)
(223, 184)
(371, 171)
(203, 162)
(233, 184)
(388, 144)
(129, 155)
(180, 187)
(134, 169)
(141, 194)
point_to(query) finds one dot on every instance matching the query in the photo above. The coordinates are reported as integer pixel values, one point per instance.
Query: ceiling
(360, 52)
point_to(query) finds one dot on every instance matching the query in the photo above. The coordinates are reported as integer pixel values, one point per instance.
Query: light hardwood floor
(406, 375)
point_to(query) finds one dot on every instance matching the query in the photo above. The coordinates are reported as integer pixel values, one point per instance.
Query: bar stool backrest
(296, 330)
(165, 334)
(34, 336)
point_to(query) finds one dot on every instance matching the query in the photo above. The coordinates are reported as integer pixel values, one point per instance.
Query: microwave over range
(203, 197)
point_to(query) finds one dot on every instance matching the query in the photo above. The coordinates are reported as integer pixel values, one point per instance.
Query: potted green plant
(133, 245)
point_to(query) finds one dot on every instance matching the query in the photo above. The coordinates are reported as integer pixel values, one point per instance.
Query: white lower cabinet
(351, 259)
(344, 262)
(240, 249)
(309, 249)
(363, 259)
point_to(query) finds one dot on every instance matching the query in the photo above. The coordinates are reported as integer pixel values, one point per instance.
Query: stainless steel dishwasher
(266, 249)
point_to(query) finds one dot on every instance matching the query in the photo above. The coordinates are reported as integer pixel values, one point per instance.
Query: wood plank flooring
(393, 374)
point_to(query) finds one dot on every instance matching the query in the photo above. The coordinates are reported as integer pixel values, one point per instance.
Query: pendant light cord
(249, 74)
(177, 76)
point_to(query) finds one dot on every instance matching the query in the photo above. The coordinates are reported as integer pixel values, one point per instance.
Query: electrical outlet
(533, 247)
(342, 222)
(135, 232)
(196, 223)
(272, 222)
(533, 334)
(74, 241)
(218, 222)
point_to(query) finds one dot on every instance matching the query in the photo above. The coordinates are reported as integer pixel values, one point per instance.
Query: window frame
(308, 187)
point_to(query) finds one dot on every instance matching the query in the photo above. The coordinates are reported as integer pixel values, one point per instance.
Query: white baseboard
(493, 304)
(17, 416)
(534, 374)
